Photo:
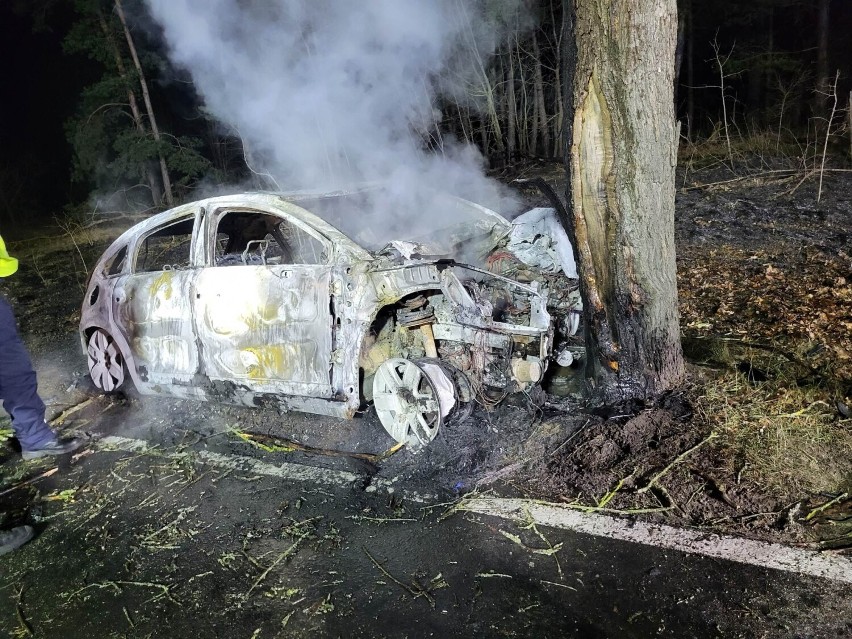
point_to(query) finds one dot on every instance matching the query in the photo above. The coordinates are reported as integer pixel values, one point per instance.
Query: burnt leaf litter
(765, 283)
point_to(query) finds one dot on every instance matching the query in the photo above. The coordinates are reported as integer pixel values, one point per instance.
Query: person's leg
(18, 386)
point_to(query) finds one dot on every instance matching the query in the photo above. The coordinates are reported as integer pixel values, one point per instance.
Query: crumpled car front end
(446, 336)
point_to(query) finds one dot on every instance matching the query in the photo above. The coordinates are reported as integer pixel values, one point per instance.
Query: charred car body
(259, 297)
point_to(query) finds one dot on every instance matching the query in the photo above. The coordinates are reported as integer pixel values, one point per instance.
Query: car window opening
(246, 238)
(167, 248)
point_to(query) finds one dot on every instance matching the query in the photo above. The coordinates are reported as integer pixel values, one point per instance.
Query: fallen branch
(380, 520)
(608, 497)
(491, 477)
(548, 552)
(19, 611)
(572, 436)
(165, 590)
(764, 347)
(32, 480)
(615, 511)
(280, 445)
(777, 172)
(530, 525)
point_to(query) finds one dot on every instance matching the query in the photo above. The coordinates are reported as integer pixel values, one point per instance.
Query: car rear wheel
(106, 363)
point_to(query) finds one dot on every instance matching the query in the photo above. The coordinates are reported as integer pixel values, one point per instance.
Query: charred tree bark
(621, 166)
(146, 97)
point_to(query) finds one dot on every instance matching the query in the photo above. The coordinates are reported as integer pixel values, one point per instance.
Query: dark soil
(759, 263)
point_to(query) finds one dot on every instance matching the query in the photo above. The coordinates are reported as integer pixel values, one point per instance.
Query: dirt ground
(766, 305)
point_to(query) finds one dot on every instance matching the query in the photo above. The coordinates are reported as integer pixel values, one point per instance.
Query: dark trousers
(18, 387)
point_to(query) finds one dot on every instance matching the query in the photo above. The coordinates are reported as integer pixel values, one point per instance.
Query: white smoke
(329, 93)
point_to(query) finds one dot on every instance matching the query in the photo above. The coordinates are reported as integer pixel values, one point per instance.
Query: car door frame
(160, 301)
(247, 317)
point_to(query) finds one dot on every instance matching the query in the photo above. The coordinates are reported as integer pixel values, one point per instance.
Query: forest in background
(760, 85)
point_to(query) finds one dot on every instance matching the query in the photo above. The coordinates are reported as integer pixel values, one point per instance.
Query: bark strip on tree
(621, 163)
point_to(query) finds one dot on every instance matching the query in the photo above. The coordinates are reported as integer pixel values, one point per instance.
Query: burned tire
(465, 401)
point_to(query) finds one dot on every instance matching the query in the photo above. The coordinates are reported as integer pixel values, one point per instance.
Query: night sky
(42, 85)
(40, 91)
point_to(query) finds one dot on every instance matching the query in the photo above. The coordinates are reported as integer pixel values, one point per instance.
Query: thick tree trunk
(146, 97)
(156, 194)
(622, 154)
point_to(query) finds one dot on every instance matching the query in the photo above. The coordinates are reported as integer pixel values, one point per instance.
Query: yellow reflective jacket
(8, 265)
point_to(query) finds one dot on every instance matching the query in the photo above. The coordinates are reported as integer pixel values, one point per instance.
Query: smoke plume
(329, 93)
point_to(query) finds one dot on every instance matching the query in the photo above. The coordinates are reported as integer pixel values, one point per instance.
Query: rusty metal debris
(260, 298)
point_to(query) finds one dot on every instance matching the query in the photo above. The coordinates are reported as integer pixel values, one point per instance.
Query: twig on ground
(493, 476)
(419, 592)
(19, 611)
(459, 505)
(675, 461)
(741, 178)
(380, 520)
(614, 511)
(571, 437)
(277, 561)
(165, 590)
(608, 497)
(280, 445)
(59, 419)
(530, 525)
(827, 504)
(548, 552)
(127, 616)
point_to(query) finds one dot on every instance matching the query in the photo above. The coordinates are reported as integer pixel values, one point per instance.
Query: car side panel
(153, 313)
(268, 328)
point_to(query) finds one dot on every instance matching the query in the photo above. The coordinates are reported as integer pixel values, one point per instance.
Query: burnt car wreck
(298, 300)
